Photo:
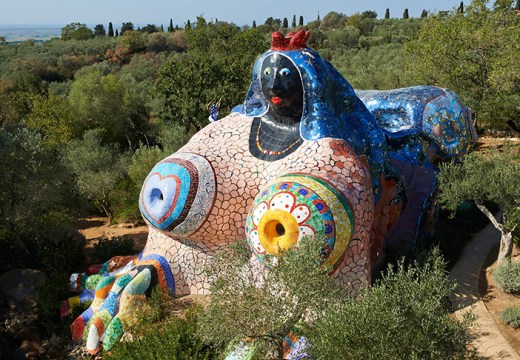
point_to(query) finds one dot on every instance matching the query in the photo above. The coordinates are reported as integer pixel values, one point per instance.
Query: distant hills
(19, 33)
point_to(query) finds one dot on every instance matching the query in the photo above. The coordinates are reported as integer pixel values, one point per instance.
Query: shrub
(124, 199)
(511, 316)
(174, 336)
(403, 316)
(107, 248)
(507, 276)
(61, 249)
(49, 297)
(261, 304)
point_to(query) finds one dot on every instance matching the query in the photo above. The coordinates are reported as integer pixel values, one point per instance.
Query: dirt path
(468, 273)
(97, 227)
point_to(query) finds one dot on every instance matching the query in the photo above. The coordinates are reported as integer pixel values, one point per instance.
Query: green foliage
(106, 248)
(143, 160)
(99, 30)
(475, 55)
(127, 26)
(16, 105)
(124, 201)
(482, 177)
(33, 182)
(217, 65)
(49, 297)
(165, 334)
(507, 276)
(403, 316)
(76, 31)
(134, 41)
(52, 116)
(111, 103)
(333, 20)
(172, 137)
(97, 168)
(374, 68)
(511, 316)
(61, 249)
(261, 304)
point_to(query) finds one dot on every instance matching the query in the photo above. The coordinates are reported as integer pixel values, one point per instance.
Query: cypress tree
(254, 24)
(117, 32)
(110, 30)
(387, 14)
(424, 14)
(405, 14)
(294, 21)
(285, 23)
(170, 28)
(188, 24)
(301, 21)
(517, 6)
(162, 28)
(460, 10)
(176, 27)
(319, 16)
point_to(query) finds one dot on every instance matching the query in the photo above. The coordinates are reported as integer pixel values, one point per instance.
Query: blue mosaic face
(282, 86)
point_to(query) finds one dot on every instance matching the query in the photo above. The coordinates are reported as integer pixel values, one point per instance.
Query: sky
(240, 12)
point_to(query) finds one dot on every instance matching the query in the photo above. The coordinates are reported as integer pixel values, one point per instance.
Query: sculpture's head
(282, 86)
(293, 81)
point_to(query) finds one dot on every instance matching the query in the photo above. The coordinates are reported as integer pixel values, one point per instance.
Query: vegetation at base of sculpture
(409, 299)
(303, 156)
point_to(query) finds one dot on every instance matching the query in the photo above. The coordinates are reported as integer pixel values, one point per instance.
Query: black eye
(267, 71)
(285, 72)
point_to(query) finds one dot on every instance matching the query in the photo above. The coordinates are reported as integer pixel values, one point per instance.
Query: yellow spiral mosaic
(340, 209)
(271, 237)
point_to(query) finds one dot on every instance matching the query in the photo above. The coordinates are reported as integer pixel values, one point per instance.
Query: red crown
(291, 42)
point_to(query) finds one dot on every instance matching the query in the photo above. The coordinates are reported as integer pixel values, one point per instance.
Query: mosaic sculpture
(304, 155)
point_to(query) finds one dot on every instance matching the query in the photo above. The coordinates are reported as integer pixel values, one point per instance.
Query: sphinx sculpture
(304, 154)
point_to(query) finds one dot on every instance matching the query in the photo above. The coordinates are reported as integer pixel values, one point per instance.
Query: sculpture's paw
(119, 297)
(86, 283)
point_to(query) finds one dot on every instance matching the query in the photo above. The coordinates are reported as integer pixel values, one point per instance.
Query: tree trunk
(108, 212)
(506, 246)
(506, 236)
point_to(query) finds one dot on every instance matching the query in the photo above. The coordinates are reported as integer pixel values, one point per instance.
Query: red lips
(276, 100)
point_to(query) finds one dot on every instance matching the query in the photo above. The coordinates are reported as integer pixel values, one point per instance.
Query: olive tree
(217, 65)
(475, 55)
(486, 177)
(96, 167)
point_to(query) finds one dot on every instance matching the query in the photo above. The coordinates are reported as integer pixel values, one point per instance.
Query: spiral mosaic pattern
(178, 193)
(445, 123)
(294, 206)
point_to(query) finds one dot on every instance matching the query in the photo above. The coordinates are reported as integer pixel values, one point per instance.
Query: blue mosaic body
(423, 124)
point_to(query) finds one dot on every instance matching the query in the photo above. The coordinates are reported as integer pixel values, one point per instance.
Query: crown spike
(291, 42)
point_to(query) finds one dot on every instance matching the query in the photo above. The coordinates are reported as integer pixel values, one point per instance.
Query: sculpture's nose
(274, 83)
(178, 193)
